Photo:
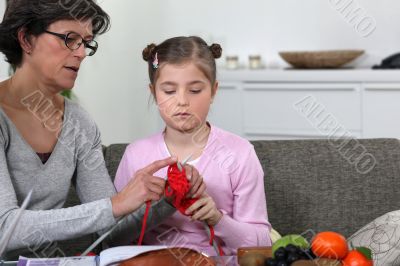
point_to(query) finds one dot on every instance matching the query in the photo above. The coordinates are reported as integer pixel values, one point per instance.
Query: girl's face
(183, 95)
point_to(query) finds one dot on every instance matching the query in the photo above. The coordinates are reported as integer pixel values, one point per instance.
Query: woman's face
(52, 62)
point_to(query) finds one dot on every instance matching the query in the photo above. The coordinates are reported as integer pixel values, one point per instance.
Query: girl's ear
(24, 41)
(214, 90)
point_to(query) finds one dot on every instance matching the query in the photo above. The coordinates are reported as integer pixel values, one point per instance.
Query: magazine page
(67, 261)
(108, 257)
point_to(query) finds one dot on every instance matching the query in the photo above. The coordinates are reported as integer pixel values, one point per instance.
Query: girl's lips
(182, 114)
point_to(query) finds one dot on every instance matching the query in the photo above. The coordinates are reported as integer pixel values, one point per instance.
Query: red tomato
(329, 245)
(356, 258)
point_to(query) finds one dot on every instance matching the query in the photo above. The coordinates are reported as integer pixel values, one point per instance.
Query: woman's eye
(195, 91)
(169, 92)
(71, 40)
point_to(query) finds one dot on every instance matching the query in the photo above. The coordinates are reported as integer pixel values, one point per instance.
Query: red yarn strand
(146, 214)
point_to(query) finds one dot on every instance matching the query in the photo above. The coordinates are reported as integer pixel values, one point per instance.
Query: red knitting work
(178, 187)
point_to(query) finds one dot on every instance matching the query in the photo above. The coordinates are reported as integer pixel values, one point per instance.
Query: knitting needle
(204, 223)
(183, 162)
(7, 235)
(102, 237)
(10, 263)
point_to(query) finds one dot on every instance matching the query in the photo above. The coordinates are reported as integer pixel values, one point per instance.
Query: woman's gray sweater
(77, 158)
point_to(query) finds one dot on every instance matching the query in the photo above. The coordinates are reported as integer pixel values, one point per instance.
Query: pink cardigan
(234, 179)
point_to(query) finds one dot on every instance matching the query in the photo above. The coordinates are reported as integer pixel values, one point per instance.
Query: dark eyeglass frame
(64, 37)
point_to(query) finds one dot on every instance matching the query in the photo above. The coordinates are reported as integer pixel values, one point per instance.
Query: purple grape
(282, 263)
(292, 257)
(307, 254)
(280, 254)
(270, 262)
(292, 248)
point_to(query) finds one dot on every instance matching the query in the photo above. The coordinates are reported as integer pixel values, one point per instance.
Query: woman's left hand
(205, 209)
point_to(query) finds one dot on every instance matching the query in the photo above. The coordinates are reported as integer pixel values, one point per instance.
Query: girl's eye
(169, 92)
(195, 91)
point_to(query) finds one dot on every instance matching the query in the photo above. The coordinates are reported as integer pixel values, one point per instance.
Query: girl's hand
(205, 209)
(143, 187)
(197, 186)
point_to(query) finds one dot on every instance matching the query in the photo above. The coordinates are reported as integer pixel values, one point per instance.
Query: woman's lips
(73, 71)
(71, 68)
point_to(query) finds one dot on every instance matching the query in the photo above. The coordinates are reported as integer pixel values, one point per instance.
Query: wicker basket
(320, 59)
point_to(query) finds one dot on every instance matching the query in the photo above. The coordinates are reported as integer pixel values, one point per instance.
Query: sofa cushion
(113, 155)
(317, 185)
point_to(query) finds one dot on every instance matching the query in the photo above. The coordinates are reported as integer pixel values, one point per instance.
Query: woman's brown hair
(34, 16)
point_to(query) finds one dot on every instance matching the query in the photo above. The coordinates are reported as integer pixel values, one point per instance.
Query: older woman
(48, 142)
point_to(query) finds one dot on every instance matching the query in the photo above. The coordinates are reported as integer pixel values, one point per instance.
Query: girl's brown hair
(180, 50)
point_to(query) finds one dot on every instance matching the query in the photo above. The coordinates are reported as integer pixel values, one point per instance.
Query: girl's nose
(182, 98)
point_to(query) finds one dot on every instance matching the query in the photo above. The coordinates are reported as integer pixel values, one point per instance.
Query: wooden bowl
(171, 257)
(320, 59)
(265, 251)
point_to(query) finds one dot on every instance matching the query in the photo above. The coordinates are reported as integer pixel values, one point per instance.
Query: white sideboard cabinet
(290, 104)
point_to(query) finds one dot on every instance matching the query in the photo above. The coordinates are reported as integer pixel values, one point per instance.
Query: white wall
(268, 26)
(112, 86)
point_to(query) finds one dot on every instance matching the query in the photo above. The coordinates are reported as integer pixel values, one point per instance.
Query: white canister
(255, 61)
(232, 62)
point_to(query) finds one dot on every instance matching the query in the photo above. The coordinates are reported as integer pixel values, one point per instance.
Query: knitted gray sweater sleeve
(78, 153)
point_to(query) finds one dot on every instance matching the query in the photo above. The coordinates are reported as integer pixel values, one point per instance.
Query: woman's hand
(205, 209)
(143, 187)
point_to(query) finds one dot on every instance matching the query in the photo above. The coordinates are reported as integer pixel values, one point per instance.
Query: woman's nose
(80, 52)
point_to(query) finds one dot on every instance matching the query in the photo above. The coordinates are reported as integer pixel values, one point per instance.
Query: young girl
(183, 83)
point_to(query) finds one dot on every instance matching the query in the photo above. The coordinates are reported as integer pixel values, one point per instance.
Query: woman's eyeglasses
(73, 41)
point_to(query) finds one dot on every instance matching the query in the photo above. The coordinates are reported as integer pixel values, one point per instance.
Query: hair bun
(148, 52)
(216, 50)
